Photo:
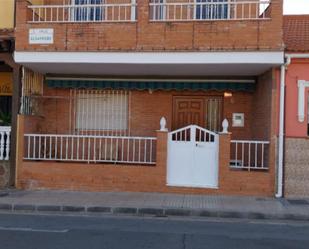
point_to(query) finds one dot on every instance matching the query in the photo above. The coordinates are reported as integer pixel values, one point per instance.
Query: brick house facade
(296, 30)
(109, 81)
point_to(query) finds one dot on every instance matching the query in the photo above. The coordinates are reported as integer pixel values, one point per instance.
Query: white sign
(41, 36)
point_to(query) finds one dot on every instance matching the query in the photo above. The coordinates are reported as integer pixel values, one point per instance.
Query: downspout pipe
(288, 58)
(279, 193)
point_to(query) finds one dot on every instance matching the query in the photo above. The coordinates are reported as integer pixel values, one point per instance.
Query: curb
(145, 211)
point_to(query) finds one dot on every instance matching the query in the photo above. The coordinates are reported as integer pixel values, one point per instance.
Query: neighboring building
(7, 71)
(296, 38)
(99, 76)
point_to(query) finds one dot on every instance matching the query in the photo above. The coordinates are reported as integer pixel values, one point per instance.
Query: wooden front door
(188, 111)
(204, 111)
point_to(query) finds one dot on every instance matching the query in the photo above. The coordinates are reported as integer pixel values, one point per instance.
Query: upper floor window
(84, 11)
(211, 9)
(158, 11)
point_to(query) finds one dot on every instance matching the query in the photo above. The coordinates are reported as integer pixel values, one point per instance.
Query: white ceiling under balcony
(151, 63)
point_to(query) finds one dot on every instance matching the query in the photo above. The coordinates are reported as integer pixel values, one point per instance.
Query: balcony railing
(5, 132)
(90, 149)
(159, 10)
(203, 10)
(94, 13)
(249, 155)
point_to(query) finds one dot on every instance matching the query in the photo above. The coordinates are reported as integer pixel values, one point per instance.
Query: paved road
(18, 231)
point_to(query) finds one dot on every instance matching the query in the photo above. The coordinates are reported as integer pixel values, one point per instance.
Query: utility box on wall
(238, 120)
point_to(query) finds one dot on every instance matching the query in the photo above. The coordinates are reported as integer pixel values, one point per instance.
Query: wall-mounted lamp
(228, 94)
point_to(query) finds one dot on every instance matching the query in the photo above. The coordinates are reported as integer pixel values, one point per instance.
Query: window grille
(100, 112)
(32, 88)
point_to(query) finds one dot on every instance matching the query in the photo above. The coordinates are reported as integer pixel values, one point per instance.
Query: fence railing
(88, 148)
(250, 155)
(208, 10)
(115, 12)
(5, 133)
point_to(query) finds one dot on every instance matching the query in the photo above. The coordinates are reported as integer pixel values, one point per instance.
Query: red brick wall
(264, 117)
(144, 35)
(263, 106)
(146, 110)
(108, 177)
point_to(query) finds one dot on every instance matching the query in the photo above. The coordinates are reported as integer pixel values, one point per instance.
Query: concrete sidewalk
(154, 204)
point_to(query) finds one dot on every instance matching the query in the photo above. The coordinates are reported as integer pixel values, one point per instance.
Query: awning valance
(152, 85)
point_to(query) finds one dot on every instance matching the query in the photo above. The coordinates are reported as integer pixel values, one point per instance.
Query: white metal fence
(5, 132)
(250, 155)
(203, 10)
(86, 148)
(103, 12)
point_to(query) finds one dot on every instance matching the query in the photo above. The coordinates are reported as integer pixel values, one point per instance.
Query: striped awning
(152, 85)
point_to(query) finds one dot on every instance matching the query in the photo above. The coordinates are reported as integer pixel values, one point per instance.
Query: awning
(153, 85)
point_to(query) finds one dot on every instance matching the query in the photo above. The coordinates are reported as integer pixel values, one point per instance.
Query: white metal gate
(192, 159)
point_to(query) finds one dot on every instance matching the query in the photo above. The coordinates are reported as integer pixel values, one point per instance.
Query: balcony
(85, 12)
(208, 10)
(124, 30)
(99, 11)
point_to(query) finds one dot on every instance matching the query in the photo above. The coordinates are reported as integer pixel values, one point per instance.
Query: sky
(296, 7)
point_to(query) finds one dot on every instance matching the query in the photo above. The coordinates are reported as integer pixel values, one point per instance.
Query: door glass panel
(213, 113)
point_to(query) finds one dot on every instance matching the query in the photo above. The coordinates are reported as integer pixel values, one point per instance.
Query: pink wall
(297, 70)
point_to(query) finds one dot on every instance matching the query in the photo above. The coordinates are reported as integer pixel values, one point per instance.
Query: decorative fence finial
(225, 126)
(163, 124)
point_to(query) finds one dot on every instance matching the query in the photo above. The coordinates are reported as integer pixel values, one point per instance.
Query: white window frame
(302, 85)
